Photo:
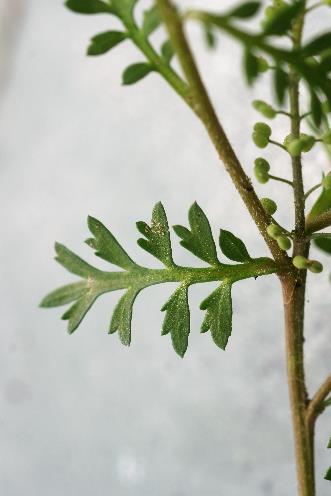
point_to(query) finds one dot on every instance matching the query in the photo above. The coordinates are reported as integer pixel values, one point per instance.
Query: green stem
(281, 179)
(311, 190)
(205, 111)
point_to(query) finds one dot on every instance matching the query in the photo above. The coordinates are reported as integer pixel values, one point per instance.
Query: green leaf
(245, 10)
(329, 444)
(317, 45)
(152, 20)
(106, 245)
(89, 7)
(209, 34)
(281, 21)
(157, 241)
(77, 312)
(250, 65)
(167, 51)
(177, 319)
(219, 314)
(122, 316)
(328, 475)
(103, 42)
(65, 294)
(322, 204)
(233, 247)
(316, 109)
(199, 240)
(124, 8)
(324, 244)
(280, 84)
(73, 263)
(136, 72)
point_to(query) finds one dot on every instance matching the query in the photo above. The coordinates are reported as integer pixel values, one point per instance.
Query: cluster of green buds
(265, 109)
(261, 170)
(326, 182)
(302, 263)
(277, 233)
(261, 134)
(296, 146)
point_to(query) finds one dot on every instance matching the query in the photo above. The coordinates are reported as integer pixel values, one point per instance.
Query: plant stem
(205, 111)
(281, 179)
(311, 190)
(319, 222)
(294, 286)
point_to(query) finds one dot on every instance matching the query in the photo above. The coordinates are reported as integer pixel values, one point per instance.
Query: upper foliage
(133, 278)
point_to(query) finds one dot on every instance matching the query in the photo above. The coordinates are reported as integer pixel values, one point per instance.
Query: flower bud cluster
(277, 233)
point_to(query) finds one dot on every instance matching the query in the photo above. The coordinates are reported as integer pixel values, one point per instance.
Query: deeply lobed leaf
(218, 318)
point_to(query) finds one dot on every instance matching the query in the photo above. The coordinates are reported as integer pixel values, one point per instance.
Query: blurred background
(83, 415)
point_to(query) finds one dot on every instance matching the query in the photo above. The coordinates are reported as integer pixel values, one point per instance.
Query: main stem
(294, 287)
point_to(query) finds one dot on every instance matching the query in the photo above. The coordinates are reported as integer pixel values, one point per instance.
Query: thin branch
(316, 407)
(281, 179)
(311, 190)
(276, 143)
(319, 222)
(205, 111)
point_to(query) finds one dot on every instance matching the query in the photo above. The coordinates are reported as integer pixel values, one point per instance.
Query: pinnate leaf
(103, 42)
(233, 247)
(218, 318)
(157, 241)
(89, 7)
(135, 72)
(199, 240)
(177, 319)
(106, 245)
(122, 316)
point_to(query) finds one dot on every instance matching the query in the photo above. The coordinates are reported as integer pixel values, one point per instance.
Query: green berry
(261, 177)
(327, 138)
(315, 266)
(269, 206)
(295, 147)
(327, 181)
(264, 108)
(262, 164)
(274, 231)
(287, 140)
(262, 128)
(307, 142)
(300, 262)
(263, 64)
(284, 242)
(260, 140)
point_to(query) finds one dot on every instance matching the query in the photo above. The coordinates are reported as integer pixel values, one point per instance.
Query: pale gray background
(83, 415)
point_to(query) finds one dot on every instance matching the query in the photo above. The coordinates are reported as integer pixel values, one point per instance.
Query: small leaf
(209, 34)
(136, 72)
(219, 314)
(233, 247)
(167, 51)
(73, 263)
(77, 312)
(158, 241)
(280, 84)
(316, 109)
(122, 316)
(177, 319)
(65, 294)
(103, 42)
(329, 444)
(250, 65)
(317, 45)
(199, 240)
(324, 244)
(281, 21)
(89, 7)
(245, 10)
(322, 204)
(152, 20)
(328, 475)
(107, 247)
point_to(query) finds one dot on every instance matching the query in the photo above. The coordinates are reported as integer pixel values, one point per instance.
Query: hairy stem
(205, 111)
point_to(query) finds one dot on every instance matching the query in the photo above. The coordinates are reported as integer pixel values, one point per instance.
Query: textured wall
(83, 415)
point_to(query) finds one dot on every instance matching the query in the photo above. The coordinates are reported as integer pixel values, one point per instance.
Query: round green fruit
(269, 206)
(295, 148)
(274, 231)
(307, 142)
(262, 128)
(284, 242)
(260, 140)
(315, 266)
(263, 64)
(300, 262)
(262, 165)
